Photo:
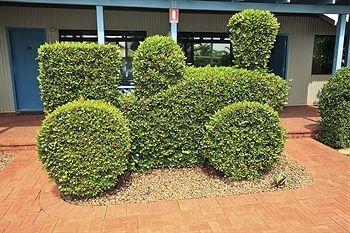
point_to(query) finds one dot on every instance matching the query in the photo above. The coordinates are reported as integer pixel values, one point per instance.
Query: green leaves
(253, 34)
(84, 146)
(158, 63)
(167, 129)
(69, 71)
(244, 139)
(334, 109)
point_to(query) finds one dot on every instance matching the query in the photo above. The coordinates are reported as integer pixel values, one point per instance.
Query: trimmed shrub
(168, 128)
(253, 34)
(84, 146)
(334, 110)
(158, 63)
(127, 102)
(244, 140)
(68, 71)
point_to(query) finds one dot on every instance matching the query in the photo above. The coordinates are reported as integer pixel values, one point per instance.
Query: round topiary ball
(244, 140)
(84, 146)
(157, 63)
(334, 110)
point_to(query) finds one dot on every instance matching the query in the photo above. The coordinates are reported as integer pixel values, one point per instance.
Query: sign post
(173, 20)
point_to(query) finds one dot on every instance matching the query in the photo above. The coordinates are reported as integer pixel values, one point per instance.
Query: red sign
(173, 15)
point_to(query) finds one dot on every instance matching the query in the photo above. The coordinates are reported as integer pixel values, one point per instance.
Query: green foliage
(84, 146)
(334, 110)
(68, 71)
(127, 102)
(244, 140)
(168, 128)
(253, 34)
(158, 63)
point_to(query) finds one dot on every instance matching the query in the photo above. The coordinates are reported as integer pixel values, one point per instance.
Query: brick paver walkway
(18, 131)
(30, 203)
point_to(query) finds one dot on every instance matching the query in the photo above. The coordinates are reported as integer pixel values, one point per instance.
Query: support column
(100, 25)
(339, 42)
(173, 31)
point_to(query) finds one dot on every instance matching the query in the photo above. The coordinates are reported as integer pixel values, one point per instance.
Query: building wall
(301, 31)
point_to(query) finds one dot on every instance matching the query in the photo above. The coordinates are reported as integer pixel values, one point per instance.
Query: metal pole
(173, 31)
(100, 25)
(339, 42)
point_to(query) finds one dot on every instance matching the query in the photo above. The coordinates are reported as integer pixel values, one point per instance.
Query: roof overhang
(277, 6)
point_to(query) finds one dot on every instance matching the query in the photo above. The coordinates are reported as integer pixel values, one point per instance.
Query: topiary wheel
(84, 146)
(244, 140)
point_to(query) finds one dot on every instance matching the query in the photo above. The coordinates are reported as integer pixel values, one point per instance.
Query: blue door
(278, 60)
(24, 44)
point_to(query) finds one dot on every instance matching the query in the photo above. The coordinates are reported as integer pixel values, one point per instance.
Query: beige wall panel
(301, 31)
(52, 19)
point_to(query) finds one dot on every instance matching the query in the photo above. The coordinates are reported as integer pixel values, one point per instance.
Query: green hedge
(168, 128)
(84, 146)
(244, 140)
(253, 34)
(157, 63)
(68, 71)
(334, 110)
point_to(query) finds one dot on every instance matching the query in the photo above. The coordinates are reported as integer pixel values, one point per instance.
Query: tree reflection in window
(202, 49)
(323, 54)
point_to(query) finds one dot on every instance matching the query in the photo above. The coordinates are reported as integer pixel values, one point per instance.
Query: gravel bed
(345, 151)
(5, 158)
(198, 182)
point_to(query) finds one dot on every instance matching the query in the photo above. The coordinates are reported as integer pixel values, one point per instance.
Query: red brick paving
(300, 121)
(30, 203)
(18, 131)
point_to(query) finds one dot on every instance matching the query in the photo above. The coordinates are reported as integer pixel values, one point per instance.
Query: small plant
(253, 34)
(280, 180)
(158, 63)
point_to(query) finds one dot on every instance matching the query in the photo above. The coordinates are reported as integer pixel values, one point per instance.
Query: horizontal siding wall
(301, 31)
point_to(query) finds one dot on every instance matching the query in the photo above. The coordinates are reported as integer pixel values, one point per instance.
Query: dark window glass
(128, 42)
(323, 54)
(202, 49)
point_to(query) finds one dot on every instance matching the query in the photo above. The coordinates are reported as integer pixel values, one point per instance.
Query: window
(322, 60)
(128, 42)
(203, 49)
(323, 54)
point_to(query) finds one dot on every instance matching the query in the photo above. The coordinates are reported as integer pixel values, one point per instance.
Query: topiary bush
(158, 63)
(244, 140)
(253, 34)
(167, 129)
(334, 110)
(68, 71)
(84, 146)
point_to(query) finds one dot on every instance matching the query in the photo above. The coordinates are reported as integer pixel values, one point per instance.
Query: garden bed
(198, 182)
(5, 158)
(345, 151)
